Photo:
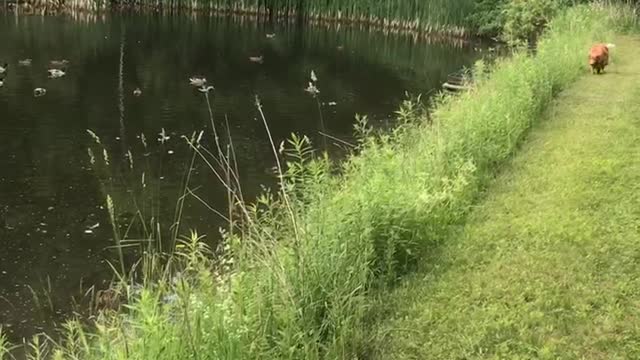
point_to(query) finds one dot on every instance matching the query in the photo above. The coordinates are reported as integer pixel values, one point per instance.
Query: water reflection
(54, 228)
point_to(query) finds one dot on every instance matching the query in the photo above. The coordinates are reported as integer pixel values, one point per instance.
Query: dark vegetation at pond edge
(513, 21)
(300, 270)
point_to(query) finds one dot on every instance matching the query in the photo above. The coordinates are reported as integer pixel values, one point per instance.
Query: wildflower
(312, 89)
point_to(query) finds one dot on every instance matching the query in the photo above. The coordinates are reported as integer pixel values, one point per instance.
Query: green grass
(547, 265)
(299, 280)
(4, 345)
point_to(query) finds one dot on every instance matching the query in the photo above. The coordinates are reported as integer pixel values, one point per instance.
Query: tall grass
(625, 12)
(298, 279)
(428, 16)
(4, 345)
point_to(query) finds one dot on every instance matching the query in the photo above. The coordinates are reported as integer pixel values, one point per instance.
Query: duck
(271, 36)
(197, 81)
(59, 62)
(256, 59)
(25, 62)
(37, 92)
(4, 68)
(137, 92)
(1, 82)
(56, 73)
(340, 47)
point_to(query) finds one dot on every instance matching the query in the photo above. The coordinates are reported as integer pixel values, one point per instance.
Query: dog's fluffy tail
(610, 46)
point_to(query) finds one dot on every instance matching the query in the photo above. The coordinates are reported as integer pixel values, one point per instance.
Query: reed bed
(419, 17)
(299, 270)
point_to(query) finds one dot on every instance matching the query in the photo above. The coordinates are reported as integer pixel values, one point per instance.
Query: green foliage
(524, 19)
(551, 248)
(487, 16)
(298, 279)
(4, 345)
(515, 21)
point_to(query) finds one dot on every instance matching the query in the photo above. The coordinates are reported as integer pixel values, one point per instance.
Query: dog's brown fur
(598, 58)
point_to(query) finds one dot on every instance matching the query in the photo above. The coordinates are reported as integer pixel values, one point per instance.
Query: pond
(55, 233)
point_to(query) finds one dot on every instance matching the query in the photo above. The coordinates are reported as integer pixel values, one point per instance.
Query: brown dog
(599, 57)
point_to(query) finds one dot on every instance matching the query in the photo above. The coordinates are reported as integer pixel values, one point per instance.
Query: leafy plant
(524, 20)
(488, 16)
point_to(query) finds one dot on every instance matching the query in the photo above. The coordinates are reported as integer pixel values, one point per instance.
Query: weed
(4, 345)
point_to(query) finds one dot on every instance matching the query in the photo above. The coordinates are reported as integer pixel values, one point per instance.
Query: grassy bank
(546, 267)
(299, 279)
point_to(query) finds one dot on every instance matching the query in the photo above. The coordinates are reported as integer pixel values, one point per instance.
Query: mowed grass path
(548, 264)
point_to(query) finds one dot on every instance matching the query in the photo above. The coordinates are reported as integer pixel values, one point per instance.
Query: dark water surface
(55, 232)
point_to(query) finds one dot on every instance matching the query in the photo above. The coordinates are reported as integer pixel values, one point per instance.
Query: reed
(626, 13)
(425, 16)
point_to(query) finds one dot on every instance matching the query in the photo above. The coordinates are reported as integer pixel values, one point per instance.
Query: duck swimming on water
(4, 68)
(137, 92)
(256, 59)
(25, 62)
(37, 92)
(56, 73)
